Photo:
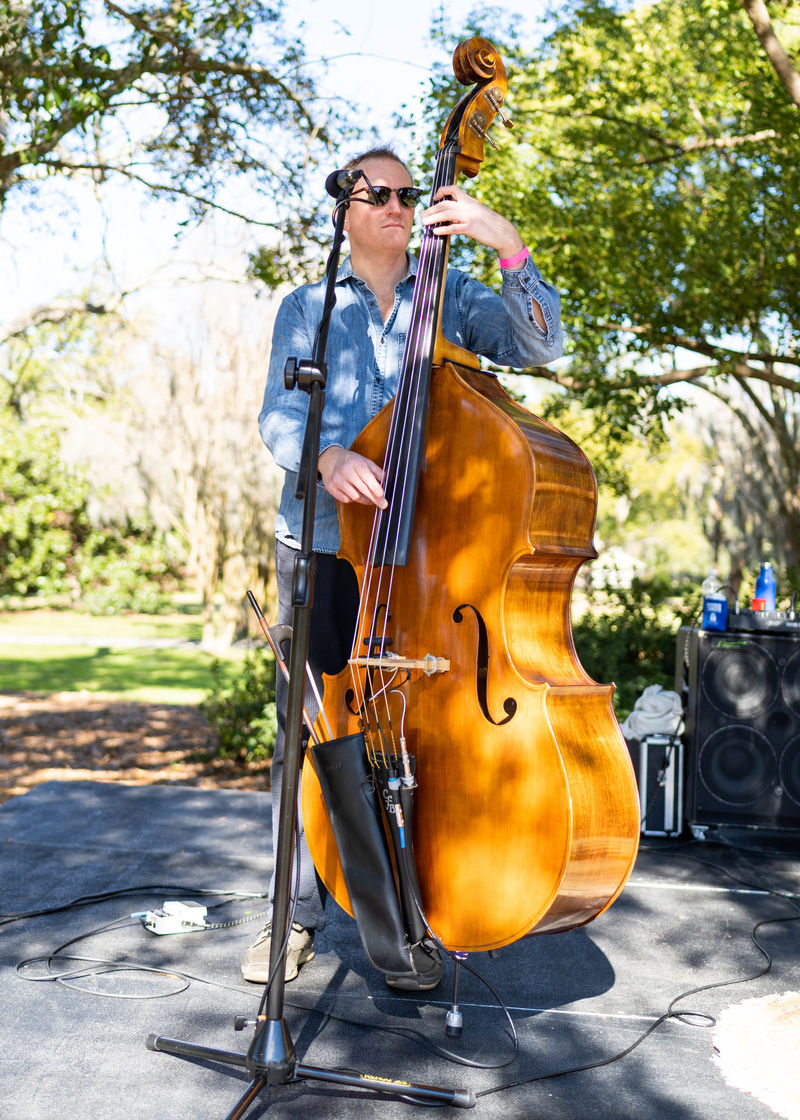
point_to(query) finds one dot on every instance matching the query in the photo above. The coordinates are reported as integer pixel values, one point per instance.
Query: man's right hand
(349, 477)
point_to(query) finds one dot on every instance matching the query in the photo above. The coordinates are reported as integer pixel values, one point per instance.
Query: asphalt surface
(73, 1031)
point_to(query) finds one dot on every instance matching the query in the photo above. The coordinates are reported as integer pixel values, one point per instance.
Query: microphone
(339, 181)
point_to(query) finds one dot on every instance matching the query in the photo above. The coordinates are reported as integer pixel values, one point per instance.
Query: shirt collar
(346, 269)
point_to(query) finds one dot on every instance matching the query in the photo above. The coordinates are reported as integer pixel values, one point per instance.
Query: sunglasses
(379, 196)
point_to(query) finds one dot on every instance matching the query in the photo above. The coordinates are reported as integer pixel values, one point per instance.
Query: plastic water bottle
(765, 586)
(715, 602)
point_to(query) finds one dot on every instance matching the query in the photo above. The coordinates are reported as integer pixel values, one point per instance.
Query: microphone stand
(271, 1059)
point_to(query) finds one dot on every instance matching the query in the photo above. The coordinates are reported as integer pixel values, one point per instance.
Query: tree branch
(265, 95)
(57, 311)
(674, 148)
(159, 188)
(715, 143)
(776, 55)
(710, 349)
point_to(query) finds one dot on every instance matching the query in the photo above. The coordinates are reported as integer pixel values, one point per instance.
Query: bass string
(418, 355)
(378, 588)
(372, 634)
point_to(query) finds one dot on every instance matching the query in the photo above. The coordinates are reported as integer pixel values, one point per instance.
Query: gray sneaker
(255, 966)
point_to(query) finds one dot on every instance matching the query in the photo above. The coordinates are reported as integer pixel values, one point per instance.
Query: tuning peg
(477, 122)
(495, 99)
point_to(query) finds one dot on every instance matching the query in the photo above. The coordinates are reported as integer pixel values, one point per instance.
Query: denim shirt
(364, 358)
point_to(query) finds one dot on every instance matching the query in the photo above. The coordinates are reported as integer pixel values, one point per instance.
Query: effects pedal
(176, 917)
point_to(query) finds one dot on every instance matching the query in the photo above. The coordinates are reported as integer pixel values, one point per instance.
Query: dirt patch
(74, 737)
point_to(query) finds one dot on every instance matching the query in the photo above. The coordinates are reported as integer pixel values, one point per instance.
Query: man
(374, 288)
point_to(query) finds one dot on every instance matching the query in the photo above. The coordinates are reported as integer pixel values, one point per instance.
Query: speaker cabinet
(741, 695)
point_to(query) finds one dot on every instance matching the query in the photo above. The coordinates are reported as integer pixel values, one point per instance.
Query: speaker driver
(740, 680)
(790, 770)
(737, 765)
(790, 683)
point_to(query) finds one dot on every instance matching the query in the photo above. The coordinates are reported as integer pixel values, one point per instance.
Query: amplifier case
(741, 694)
(658, 763)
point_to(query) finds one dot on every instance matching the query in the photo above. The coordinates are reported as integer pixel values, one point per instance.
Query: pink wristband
(518, 258)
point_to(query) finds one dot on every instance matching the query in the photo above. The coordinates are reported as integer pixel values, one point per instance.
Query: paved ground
(76, 1048)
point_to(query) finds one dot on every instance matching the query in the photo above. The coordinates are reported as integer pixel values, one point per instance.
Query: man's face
(376, 229)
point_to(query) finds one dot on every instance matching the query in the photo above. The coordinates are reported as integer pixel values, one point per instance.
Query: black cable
(112, 966)
(105, 896)
(66, 979)
(682, 1016)
(787, 896)
(410, 1033)
(407, 856)
(144, 889)
(117, 965)
(109, 967)
(234, 922)
(402, 1032)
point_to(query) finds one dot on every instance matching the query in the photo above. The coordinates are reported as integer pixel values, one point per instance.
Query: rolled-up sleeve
(282, 419)
(503, 327)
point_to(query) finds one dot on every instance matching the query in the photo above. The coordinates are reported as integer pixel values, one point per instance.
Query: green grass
(162, 676)
(37, 622)
(31, 661)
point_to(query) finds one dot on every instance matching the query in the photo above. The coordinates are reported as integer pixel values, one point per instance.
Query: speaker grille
(737, 765)
(740, 681)
(790, 683)
(790, 770)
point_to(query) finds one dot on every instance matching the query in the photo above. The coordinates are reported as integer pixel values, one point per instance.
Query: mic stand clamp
(271, 1058)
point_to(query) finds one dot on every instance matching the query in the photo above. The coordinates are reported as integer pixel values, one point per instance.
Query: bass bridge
(391, 662)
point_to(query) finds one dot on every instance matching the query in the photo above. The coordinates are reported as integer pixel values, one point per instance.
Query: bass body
(526, 815)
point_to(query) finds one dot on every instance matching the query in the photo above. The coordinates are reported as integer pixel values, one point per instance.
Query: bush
(49, 545)
(243, 713)
(43, 512)
(627, 635)
(126, 567)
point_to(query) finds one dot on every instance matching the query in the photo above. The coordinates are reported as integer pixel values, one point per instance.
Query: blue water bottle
(765, 586)
(715, 602)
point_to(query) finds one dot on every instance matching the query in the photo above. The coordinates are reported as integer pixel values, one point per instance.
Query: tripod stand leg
(192, 1050)
(458, 1098)
(247, 1097)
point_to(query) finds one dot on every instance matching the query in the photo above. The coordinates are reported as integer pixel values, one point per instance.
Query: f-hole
(482, 668)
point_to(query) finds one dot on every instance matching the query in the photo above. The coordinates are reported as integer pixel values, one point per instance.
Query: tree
(176, 96)
(59, 535)
(130, 453)
(204, 104)
(177, 430)
(779, 59)
(655, 171)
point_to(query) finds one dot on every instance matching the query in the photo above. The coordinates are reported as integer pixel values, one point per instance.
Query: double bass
(525, 815)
